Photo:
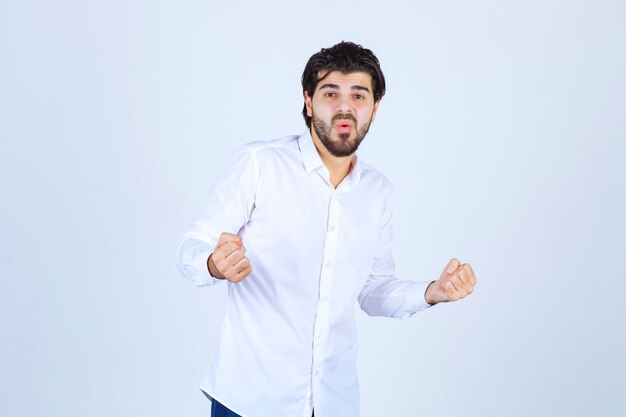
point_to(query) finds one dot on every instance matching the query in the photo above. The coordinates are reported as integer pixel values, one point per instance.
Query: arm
(383, 294)
(227, 208)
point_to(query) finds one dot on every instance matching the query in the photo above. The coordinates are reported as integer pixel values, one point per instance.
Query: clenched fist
(456, 281)
(228, 260)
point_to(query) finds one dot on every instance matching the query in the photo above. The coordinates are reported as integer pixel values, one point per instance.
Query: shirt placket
(322, 319)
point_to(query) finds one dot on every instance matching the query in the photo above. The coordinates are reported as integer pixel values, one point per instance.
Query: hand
(228, 260)
(456, 281)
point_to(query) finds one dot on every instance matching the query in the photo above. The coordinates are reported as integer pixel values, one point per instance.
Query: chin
(344, 137)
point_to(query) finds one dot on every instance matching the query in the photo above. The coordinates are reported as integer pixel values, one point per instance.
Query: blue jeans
(220, 410)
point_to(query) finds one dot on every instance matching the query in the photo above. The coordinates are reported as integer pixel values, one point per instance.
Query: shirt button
(316, 373)
(320, 335)
(323, 299)
(332, 228)
(328, 264)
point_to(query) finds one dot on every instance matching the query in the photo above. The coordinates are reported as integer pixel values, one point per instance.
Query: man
(300, 228)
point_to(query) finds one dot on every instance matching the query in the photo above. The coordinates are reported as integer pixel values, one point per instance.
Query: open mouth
(344, 126)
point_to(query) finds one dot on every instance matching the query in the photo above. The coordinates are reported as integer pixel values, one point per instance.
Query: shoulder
(373, 177)
(263, 147)
(270, 154)
(254, 153)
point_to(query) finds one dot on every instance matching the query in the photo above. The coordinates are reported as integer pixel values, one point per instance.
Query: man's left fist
(456, 281)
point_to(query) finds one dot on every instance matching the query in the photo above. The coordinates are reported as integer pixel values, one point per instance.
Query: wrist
(213, 269)
(430, 293)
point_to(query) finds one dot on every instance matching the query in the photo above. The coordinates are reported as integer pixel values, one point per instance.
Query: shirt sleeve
(383, 294)
(227, 208)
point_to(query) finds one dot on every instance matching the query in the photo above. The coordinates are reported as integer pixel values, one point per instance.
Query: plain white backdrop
(503, 131)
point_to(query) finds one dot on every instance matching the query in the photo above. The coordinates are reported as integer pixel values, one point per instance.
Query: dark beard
(344, 146)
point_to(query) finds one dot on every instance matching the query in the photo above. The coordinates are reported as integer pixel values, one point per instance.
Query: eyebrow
(336, 87)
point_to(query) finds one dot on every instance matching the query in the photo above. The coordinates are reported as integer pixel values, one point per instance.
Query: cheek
(365, 115)
(320, 110)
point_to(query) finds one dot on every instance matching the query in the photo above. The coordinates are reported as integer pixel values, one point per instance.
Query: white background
(503, 130)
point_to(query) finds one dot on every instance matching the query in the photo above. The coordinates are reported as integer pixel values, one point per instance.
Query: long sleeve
(383, 294)
(287, 341)
(227, 208)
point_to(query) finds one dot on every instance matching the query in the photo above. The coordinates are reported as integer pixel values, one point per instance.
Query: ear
(307, 103)
(375, 109)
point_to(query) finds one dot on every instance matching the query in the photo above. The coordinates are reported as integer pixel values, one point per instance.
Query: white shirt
(288, 340)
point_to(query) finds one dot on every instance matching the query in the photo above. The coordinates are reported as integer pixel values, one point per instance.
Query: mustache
(342, 116)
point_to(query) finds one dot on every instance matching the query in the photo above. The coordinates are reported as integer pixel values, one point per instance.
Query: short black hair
(345, 57)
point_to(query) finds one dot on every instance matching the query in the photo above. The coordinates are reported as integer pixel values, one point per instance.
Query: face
(342, 109)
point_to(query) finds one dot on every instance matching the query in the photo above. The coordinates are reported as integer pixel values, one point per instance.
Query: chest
(302, 211)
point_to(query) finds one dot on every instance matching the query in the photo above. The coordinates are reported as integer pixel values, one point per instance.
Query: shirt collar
(358, 168)
(312, 160)
(310, 157)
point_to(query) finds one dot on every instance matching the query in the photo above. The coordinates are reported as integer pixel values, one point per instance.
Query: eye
(329, 94)
(358, 97)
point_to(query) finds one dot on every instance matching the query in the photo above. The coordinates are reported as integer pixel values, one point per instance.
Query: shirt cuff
(420, 299)
(192, 261)
(201, 276)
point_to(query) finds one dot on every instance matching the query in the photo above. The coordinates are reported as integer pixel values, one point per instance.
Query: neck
(338, 166)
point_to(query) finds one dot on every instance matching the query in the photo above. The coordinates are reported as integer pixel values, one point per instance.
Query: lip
(343, 125)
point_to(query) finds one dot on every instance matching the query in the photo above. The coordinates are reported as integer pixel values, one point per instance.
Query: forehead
(345, 79)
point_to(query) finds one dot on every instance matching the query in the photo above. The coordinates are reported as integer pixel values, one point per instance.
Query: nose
(344, 105)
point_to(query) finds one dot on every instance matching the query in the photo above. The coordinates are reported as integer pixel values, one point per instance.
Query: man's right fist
(228, 260)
